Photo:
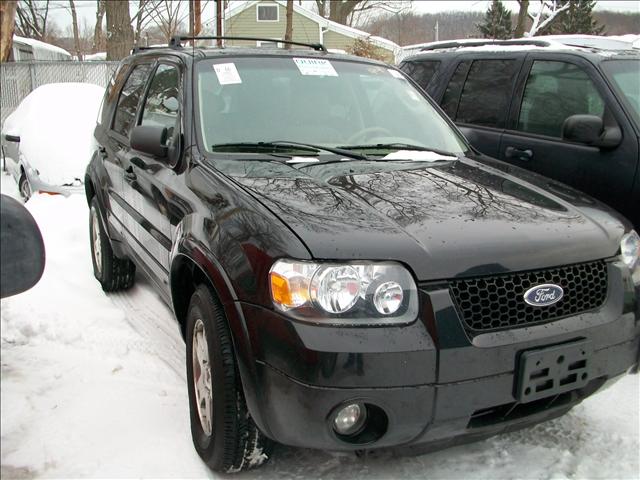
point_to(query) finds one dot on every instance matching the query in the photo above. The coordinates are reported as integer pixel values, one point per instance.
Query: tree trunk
(522, 18)
(7, 26)
(119, 31)
(97, 30)
(288, 33)
(340, 11)
(76, 35)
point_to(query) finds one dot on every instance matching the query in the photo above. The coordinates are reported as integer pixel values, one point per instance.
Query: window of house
(554, 92)
(267, 44)
(268, 13)
(129, 97)
(421, 72)
(162, 103)
(487, 92)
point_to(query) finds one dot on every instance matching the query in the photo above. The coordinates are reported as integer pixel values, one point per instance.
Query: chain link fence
(19, 79)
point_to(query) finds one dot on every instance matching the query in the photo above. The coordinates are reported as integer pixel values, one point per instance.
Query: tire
(232, 441)
(112, 272)
(24, 187)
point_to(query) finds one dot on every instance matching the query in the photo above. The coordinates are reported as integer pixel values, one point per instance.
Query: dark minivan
(569, 111)
(348, 274)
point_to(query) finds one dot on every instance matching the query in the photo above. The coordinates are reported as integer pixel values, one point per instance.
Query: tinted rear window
(487, 92)
(421, 72)
(129, 98)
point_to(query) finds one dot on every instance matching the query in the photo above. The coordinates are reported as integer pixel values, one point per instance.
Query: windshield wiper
(397, 146)
(280, 146)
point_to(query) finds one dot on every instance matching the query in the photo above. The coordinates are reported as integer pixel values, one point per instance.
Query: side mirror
(590, 130)
(22, 255)
(150, 139)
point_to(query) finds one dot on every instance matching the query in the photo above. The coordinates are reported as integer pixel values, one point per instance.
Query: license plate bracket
(553, 370)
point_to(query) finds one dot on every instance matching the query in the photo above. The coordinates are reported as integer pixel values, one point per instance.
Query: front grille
(497, 302)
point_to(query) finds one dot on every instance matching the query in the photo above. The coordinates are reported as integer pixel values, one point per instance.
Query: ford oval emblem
(543, 295)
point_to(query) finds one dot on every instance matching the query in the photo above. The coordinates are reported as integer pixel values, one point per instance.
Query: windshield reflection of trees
(406, 196)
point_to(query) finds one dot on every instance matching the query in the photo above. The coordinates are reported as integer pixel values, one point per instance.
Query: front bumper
(436, 383)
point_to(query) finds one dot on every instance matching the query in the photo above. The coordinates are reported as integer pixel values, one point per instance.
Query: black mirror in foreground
(22, 255)
(151, 140)
(590, 130)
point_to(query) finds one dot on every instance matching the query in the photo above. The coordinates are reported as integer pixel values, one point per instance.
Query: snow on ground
(93, 385)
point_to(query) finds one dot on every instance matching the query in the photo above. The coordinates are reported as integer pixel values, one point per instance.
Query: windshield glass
(327, 103)
(625, 74)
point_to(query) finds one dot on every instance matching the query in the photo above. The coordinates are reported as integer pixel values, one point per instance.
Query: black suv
(569, 112)
(346, 273)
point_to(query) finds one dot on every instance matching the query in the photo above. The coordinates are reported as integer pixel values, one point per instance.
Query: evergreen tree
(497, 22)
(578, 19)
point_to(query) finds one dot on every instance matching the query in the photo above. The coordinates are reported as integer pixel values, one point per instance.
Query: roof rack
(176, 41)
(135, 50)
(480, 43)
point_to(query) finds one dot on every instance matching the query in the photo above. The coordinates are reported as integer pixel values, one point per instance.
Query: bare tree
(119, 31)
(148, 10)
(7, 25)
(522, 18)
(168, 16)
(548, 12)
(76, 34)
(97, 30)
(31, 18)
(347, 12)
(288, 33)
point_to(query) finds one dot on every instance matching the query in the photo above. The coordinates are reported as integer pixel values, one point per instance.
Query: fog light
(350, 419)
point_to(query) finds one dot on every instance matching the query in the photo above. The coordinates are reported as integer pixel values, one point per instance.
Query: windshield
(625, 74)
(327, 103)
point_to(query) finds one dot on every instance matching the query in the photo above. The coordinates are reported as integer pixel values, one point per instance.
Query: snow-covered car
(47, 141)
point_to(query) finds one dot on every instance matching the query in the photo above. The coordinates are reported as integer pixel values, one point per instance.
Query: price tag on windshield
(227, 73)
(315, 66)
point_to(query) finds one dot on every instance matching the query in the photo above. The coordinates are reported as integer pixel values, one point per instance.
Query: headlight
(353, 293)
(630, 249)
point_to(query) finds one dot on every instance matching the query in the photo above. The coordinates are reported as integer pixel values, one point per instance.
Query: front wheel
(224, 434)
(24, 187)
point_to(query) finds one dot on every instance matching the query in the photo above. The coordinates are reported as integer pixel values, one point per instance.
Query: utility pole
(288, 33)
(219, 11)
(437, 29)
(197, 18)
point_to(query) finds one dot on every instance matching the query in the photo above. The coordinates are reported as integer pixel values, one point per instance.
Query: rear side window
(129, 98)
(451, 96)
(554, 92)
(421, 72)
(486, 93)
(162, 104)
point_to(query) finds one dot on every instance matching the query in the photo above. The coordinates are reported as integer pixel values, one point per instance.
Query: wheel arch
(193, 265)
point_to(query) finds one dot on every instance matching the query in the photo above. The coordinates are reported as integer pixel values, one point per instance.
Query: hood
(444, 220)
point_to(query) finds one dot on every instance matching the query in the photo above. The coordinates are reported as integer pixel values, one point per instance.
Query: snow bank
(55, 123)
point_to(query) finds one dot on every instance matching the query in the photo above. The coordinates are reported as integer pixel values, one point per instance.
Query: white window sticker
(395, 73)
(227, 73)
(315, 66)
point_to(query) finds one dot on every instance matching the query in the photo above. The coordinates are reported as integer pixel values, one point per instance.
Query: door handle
(129, 175)
(519, 154)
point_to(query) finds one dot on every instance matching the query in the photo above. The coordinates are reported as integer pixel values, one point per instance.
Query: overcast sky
(86, 9)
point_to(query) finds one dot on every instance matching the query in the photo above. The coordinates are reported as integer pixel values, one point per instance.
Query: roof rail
(135, 50)
(176, 41)
(480, 43)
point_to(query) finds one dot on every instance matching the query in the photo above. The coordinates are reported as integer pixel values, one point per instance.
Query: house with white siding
(267, 19)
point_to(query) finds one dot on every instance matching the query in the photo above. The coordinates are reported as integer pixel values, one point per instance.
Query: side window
(163, 100)
(555, 91)
(129, 98)
(451, 95)
(487, 92)
(421, 72)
